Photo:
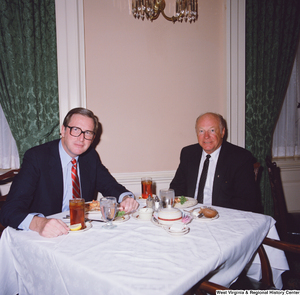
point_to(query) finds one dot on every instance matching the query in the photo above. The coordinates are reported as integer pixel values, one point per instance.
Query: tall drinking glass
(77, 212)
(167, 197)
(108, 207)
(146, 187)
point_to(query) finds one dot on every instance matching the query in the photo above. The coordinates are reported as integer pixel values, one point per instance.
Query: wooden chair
(245, 283)
(4, 179)
(256, 167)
(287, 224)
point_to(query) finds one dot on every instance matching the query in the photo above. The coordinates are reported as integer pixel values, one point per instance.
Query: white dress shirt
(208, 188)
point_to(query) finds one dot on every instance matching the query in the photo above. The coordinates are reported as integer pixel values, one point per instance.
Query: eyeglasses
(76, 132)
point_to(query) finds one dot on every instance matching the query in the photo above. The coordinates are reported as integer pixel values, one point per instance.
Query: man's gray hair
(217, 116)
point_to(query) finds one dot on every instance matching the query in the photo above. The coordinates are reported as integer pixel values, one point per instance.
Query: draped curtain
(9, 156)
(286, 138)
(272, 34)
(28, 71)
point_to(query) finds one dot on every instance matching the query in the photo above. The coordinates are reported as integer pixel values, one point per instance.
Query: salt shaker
(149, 202)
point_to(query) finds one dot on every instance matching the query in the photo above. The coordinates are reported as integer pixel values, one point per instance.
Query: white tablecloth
(137, 257)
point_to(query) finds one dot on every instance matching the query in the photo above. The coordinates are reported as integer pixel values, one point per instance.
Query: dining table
(138, 256)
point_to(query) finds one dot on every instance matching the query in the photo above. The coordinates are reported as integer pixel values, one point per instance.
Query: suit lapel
(220, 171)
(85, 169)
(55, 174)
(194, 162)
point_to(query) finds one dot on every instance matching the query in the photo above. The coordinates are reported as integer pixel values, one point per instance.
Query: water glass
(108, 207)
(167, 197)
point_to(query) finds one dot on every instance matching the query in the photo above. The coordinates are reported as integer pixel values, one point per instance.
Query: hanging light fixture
(186, 10)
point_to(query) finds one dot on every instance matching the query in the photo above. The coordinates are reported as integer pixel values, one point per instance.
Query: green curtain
(28, 71)
(272, 34)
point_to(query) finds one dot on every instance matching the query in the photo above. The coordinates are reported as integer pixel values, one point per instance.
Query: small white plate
(136, 214)
(88, 226)
(177, 233)
(203, 218)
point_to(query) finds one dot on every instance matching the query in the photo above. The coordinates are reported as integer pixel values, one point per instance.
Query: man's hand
(128, 204)
(48, 228)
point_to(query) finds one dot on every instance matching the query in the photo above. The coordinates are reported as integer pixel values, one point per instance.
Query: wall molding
(290, 176)
(288, 164)
(132, 181)
(70, 55)
(235, 70)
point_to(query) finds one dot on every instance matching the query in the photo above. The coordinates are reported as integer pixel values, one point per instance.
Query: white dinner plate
(116, 220)
(96, 211)
(203, 218)
(93, 212)
(189, 203)
(121, 219)
(88, 226)
(155, 221)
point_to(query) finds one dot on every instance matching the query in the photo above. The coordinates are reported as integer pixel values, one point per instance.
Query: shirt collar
(64, 157)
(214, 155)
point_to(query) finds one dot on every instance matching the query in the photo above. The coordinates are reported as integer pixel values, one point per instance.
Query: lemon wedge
(76, 226)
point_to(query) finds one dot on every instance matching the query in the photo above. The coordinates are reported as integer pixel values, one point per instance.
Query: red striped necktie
(75, 180)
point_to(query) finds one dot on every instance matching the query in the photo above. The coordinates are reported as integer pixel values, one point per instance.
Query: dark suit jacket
(38, 188)
(234, 181)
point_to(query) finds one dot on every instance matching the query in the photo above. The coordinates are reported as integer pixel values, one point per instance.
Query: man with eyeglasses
(44, 185)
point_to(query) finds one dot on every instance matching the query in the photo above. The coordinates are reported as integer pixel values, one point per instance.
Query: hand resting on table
(48, 228)
(128, 204)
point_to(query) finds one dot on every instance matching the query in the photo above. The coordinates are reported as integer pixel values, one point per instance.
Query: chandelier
(186, 10)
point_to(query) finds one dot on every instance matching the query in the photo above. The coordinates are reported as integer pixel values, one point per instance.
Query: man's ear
(62, 131)
(223, 132)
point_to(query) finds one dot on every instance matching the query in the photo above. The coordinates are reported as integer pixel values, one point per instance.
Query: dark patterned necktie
(75, 180)
(203, 179)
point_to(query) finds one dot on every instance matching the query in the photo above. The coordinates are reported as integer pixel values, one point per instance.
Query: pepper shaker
(156, 204)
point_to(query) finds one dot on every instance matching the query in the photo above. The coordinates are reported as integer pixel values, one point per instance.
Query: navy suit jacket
(234, 182)
(38, 188)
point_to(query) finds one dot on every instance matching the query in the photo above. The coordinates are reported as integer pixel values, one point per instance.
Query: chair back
(7, 178)
(280, 209)
(256, 167)
(4, 179)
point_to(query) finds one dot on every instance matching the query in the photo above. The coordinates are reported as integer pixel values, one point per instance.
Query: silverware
(98, 220)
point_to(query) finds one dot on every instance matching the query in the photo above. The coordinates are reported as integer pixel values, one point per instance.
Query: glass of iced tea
(77, 212)
(146, 187)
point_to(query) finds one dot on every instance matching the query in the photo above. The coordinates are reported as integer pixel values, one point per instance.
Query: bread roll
(209, 212)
